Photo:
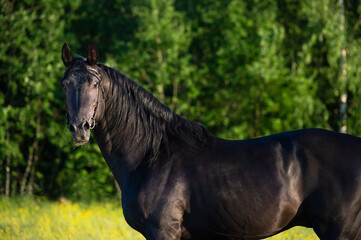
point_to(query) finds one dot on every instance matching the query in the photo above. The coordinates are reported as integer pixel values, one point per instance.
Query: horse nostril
(86, 126)
(71, 128)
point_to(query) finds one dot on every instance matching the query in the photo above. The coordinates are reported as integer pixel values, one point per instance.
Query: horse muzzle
(80, 132)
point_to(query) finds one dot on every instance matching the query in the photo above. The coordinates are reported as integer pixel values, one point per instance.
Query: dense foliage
(241, 68)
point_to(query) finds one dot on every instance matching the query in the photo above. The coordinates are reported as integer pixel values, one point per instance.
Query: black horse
(180, 182)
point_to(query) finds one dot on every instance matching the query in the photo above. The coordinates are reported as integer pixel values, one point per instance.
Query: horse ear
(66, 55)
(92, 57)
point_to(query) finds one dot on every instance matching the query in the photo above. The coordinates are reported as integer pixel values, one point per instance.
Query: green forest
(242, 68)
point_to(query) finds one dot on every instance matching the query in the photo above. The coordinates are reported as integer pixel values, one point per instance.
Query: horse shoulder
(157, 205)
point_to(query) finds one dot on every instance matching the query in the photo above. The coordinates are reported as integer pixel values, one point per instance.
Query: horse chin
(81, 143)
(81, 140)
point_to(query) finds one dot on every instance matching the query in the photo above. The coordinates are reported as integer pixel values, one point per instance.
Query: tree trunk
(35, 154)
(8, 170)
(30, 188)
(118, 189)
(27, 170)
(175, 96)
(343, 79)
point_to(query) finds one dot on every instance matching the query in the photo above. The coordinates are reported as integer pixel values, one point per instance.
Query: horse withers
(180, 182)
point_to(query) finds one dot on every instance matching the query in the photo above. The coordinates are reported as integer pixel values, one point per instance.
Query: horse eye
(95, 85)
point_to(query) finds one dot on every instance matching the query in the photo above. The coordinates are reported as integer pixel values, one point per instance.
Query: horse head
(82, 85)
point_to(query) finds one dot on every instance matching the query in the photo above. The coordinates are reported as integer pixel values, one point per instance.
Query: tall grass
(37, 219)
(297, 233)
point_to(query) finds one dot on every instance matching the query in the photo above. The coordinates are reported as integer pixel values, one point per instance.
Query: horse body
(240, 187)
(248, 189)
(180, 182)
(256, 188)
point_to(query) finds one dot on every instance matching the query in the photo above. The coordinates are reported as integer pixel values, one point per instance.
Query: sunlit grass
(26, 219)
(36, 219)
(299, 233)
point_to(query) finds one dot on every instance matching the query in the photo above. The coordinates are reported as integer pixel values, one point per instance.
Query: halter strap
(96, 74)
(95, 112)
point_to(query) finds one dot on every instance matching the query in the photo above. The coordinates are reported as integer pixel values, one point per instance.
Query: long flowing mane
(148, 124)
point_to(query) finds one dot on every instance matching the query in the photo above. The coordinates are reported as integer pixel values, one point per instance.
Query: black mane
(147, 124)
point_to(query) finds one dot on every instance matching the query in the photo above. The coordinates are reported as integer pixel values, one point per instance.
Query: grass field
(36, 219)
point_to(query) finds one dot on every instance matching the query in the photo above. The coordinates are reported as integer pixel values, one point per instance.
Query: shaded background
(242, 68)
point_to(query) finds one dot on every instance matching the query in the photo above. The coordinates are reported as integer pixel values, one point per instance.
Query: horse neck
(133, 126)
(137, 131)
